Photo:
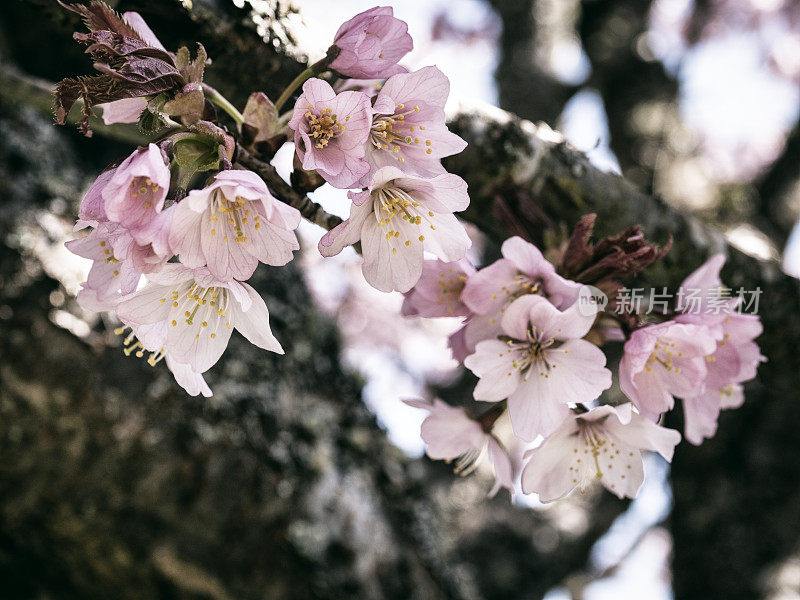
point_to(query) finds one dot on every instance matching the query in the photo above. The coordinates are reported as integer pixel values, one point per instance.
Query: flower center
(236, 215)
(451, 284)
(393, 133)
(595, 444)
(530, 351)
(663, 354)
(200, 307)
(143, 189)
(392, 202)
(325, 126)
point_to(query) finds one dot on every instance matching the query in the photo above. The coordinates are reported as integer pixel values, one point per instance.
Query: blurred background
(302, 476)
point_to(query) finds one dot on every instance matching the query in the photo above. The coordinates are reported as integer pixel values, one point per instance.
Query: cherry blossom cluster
(535, 339)
(178, 227)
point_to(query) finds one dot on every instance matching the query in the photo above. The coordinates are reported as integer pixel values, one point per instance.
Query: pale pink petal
(548, 472)
(92, 210)
(527, 257)
(535, 409)
(488, 289)
(493, 364)
(577, 372)
(443, 193)
(449, 432)
(446, 237)
(624, 475)
(184, 235)
(388, 263)
(254, 323)
(351, 171)
(188, 379)
(700, 416)
(643, 433)
(428, 83)
(349, 231)
(226, 258)
(503, 471)
(356, 108)
(732, 396)
(482, 327)
(145, 306)
(198, 340)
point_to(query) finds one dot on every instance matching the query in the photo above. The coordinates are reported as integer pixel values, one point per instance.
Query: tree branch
(285, 192)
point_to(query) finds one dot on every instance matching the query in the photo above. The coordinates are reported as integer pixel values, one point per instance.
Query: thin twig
(22, 89)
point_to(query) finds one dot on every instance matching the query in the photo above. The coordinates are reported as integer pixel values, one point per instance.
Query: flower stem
(315, 69)
(223, 103)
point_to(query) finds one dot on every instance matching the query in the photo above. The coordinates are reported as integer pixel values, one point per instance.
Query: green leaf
(151, 123)
(195, 153)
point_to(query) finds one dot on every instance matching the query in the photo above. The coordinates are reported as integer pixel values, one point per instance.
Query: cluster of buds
(178, 227)
(535, 339)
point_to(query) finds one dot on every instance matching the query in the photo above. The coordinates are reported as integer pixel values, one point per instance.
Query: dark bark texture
(115, 484)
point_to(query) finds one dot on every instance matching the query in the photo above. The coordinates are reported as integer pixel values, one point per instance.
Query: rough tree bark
(114, 484)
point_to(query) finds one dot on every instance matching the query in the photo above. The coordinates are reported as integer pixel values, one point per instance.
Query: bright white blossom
(604, 443)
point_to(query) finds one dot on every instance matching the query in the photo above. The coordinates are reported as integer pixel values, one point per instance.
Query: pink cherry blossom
(199, 313)
(109, 277)
(664, 361)
(734, 361)
(541, 366)
(119, 260)
(92, 210)
(604, 443)
(450, 434)
(231, 225)
(128, 110)
(735, 358)
(438, 291)
(398, 218)
(459, 348)
(522, 270)
(371, 44)
(136, 191)
(408, 125)
(330, 131)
